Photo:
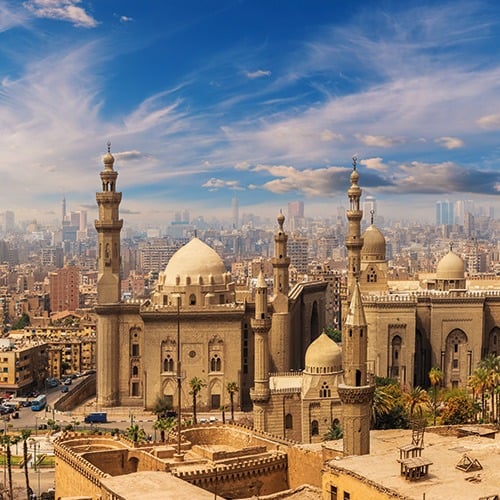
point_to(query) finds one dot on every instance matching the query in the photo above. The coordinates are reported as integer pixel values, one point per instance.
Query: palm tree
(436, 376)
(416, 399)
(232, 387)
(196, 385)
(135, 433)
(383, 402)
(479, 383)
(164, 425)
(25, 434)
(491, 364)
(7, 441)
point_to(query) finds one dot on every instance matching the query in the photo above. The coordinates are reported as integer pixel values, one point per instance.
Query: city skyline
(266, 103)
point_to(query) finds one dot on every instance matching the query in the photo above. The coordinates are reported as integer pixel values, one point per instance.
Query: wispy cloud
(257, 74)
(489, 121)
(214, 184)
(63, 10)
(450, 142)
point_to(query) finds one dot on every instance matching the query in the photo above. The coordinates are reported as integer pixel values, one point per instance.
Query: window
(455, 347)
(455, 363)
(135, 371)
(333, 492)
(288, 421)
(192, 299)
(168, 364)
(347, 496)
(325, 391)
(135, 389)
(135, 349)
(215, 363)
(314, 428)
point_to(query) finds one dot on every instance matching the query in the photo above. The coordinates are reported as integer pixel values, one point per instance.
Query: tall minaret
(108, 228)
(280, 341)
(353, 241)
(280, 261)
(260, 325)
(356, 393)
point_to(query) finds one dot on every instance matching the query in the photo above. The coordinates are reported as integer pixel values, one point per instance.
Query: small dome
(323, 356)
(194, 260)
(451, 267)
(373, 243)
(108, 159)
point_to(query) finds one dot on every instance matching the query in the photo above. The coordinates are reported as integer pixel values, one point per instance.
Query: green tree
(436, 376)
(479, 383)
(334, 433)
(161, 405)
(196, 385)
(23, 321)
(25, 434)
(458, 409)
(383, 403)
(164, 425)
(232, 388)
(135, 433)
(334, 333)
(7, 441)
(491, 364)
(415, 400)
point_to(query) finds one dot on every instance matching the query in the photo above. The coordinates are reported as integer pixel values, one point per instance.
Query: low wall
(80, 393)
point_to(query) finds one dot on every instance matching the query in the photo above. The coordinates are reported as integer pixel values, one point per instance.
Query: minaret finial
(451, 246)
(372, 212)
(354, 162)
(109, 146)
(196, 233)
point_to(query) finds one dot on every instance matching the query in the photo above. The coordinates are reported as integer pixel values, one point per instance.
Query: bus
(39, 403)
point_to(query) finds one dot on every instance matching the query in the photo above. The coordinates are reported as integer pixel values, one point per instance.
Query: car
(43, 427)
(64, 388)
(68, 381)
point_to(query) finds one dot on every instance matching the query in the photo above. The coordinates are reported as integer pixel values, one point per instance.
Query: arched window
(314, 428)
(325, 391)
(215, 363)
(371, 277)
(396, 350)
(135, 371)
(192, 299)
(288, 421)
(168, 364)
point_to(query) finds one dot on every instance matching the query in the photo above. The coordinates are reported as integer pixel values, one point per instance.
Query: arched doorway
(457, 359)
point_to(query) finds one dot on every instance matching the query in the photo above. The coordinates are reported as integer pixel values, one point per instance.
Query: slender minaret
(356, 393)
(261, 325)
(108, 228)
(353, 241)
(280, 341)
(280, 261)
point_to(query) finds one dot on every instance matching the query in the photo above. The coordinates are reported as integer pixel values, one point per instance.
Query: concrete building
(64, 289)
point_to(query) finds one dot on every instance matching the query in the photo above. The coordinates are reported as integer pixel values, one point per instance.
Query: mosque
(298, 381)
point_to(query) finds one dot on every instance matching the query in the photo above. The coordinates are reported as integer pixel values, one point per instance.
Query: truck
(96, 418)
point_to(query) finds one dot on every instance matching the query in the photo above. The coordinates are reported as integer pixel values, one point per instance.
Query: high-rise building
(64, 289)
(295, 209)
(235, 213)
(444, 213)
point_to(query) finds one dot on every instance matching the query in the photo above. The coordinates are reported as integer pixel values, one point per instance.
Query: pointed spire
(261, 282)
(356, 313)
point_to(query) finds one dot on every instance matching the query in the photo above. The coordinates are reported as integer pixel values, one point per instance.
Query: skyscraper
(444, 213)
(235, 213)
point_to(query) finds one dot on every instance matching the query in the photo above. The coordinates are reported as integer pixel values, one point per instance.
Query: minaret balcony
(259, 395)
(350, 394)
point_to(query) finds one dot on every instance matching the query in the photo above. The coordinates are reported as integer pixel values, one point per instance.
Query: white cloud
(379, 140)
(375, 164)
(126, 19)
(242, 165)
(257, 74)
(450, 142)
(489, 121)
(64, 10)
(328, 135)
(214, 184)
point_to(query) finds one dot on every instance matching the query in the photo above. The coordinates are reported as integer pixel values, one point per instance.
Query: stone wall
(83, 391)
(304, 466)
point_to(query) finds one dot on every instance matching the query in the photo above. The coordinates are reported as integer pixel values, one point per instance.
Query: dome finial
(354, 162)
(372, 212)
(281, 219)
(451, 246)
(109, 146)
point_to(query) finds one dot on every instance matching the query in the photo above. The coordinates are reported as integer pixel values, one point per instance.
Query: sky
(263, 100)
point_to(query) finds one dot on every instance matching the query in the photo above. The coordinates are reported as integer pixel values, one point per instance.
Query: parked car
(64, 388)
(68, 381)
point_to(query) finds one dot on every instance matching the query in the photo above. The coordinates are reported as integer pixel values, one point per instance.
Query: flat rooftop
(444, 481)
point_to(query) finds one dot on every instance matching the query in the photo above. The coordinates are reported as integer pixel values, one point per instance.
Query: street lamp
(36, 447)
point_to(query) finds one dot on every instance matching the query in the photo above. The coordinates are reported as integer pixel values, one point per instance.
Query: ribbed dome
(323, 356)
(373, 243)
(195, 260)
(451, 267)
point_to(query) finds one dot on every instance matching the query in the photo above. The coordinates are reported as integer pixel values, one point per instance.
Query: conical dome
(323, 356)
(195, 260)
(373, 244)
(451, 267)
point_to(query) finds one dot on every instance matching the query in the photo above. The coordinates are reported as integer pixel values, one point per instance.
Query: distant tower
(356, 394)
(63, 211)
(235, 213)
(108, 307)
(261, 325)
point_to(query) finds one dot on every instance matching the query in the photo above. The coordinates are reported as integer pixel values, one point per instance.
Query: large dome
(451, 267)
(197, 261)
(323, 356)
(373, 244)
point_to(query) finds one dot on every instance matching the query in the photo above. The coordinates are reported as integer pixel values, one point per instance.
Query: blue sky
(263, 100)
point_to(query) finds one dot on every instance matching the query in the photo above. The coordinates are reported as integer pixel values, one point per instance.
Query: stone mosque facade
(298, 381)
(138, 347)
